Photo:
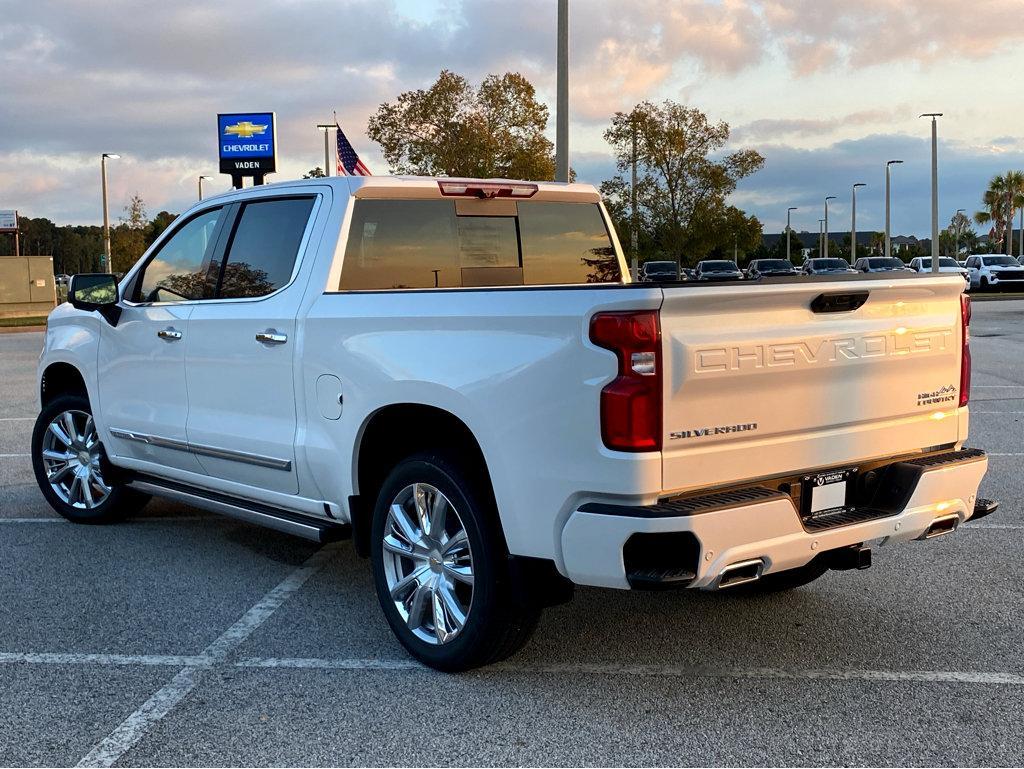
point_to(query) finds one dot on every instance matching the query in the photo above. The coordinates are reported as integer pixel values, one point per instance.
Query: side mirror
(95, 291)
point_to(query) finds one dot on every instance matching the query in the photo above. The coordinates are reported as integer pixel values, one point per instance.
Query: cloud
(773, 128)
(145, 77)
(795, 176)
(815, 35)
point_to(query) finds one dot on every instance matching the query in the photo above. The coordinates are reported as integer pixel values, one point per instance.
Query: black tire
(499, 621)
(785, 580)
(983, 285)
(119, 502)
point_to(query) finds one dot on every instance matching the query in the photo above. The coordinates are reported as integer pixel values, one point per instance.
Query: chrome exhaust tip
(740, 573)
(945, 524)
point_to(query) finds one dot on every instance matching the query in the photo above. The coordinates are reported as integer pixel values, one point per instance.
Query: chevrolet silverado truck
(460, 376)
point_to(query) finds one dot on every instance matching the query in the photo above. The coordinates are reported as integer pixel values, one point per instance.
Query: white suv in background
(947, 264)
(994, 270)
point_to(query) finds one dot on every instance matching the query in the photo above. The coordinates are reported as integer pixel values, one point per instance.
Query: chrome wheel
(71, 459)
(428, 564)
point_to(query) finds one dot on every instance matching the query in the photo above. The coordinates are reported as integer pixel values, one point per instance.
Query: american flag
(349, 163)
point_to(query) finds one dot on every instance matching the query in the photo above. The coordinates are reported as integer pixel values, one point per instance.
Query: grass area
(33, 320)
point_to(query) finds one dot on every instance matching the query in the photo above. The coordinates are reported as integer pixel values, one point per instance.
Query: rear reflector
(965, 353)
(468, 188)
(631, 403)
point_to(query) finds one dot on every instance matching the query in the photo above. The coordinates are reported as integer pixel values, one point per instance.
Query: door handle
(271, 337)
(169, 334)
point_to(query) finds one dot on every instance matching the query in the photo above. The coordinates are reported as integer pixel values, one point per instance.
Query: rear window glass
(396, 244)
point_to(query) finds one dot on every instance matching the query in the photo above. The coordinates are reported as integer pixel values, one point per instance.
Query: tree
(156, 227)
(450, 129)
(128, 239)
(315, 173)
(958, 232)
(1005, 194)
(681, 186)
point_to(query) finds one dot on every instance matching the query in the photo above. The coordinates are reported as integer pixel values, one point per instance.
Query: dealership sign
(8, 221)
(247, 143)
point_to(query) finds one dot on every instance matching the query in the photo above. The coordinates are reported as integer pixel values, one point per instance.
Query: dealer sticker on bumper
(826, 492)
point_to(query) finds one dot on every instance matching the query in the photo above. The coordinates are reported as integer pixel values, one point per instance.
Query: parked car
(655, 271)
(691, 274)
(1020, 260)
(61, 279)
(880, 264)
(717, 269)
(993, 271)
(455, 374)
(769, 268)
(947, 264)
(826, 266)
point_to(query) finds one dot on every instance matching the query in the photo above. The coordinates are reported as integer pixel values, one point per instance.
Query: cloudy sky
(826, 90)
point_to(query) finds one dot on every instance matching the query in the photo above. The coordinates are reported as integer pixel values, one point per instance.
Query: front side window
(395, 244)
(177, 272)
(262, 251)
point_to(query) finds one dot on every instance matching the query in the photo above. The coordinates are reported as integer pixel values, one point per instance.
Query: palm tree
(1015, 195)
(1002, 199)
(997, 209)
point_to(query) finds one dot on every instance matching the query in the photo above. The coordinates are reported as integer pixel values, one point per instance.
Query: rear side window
(262, 251)
(395, 244)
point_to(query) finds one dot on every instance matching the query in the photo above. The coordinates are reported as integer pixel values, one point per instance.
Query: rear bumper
(760, 523)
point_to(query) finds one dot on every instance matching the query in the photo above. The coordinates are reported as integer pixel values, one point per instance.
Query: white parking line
(53, 658)
(656, 671)
(12, 456)
(134, 728)
(17, 419)
(322, 664)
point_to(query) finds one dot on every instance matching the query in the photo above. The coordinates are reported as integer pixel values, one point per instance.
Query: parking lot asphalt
(180, 638)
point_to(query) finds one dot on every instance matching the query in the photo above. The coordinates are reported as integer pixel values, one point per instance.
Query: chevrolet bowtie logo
(244, 129)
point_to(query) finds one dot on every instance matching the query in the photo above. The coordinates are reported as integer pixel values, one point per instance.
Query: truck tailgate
(758, 384)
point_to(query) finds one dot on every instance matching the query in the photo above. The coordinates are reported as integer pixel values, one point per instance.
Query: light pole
(789, 210)
(821, 240)
(888, 246)
(956, 233)
(935, 189)
(830, 197)
(853, 222)
(106, 210)
(562, 96)
(326, 128)
(201, 180)
(633, 236)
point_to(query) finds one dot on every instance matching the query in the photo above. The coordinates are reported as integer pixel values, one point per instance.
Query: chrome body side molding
(208, 451)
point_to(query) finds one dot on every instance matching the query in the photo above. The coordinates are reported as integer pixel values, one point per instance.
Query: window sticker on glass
(488, 241)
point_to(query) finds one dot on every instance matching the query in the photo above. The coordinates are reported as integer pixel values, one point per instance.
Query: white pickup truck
(460, 375)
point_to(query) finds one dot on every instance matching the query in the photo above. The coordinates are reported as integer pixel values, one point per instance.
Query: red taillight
(631, 403)
(470, 188)
(965, 350)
